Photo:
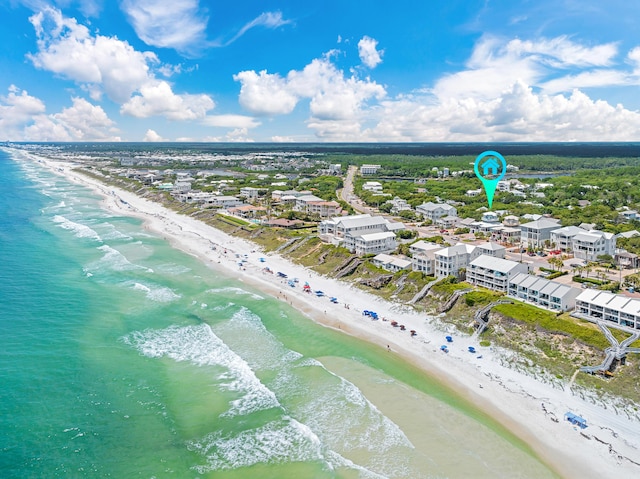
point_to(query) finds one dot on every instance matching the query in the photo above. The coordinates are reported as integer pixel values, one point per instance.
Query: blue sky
(330, 70)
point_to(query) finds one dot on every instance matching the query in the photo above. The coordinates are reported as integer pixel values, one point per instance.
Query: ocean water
(122, 357)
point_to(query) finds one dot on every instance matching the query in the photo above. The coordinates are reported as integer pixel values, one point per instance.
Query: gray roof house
(433, 211)
(493, 273)
(535, 233)
(543, 292)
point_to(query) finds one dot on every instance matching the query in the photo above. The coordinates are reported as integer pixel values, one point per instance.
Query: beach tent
(575, 419)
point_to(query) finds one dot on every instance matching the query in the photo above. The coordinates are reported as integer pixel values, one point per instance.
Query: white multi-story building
(250, 192)
(322, 208)
(344, 230)
(423, 257)
(591, 244)
(492, 249)
(543, 292)
(449, 261)
(369, 169)
(371, 243)
(562, 237)
(535, 233)
(433, 211)
(596, 305)
(493, 273)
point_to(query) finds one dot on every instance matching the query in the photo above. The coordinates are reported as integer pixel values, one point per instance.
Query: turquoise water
(122, 357)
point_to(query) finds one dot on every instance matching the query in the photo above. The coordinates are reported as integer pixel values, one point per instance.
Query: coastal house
(302, 201)
(398, 204)
(371, 243)
(506, 235)
(322, 208)
(373, 186)
(198, 198)
(224, 201)
(343, 230)
(450, 261)
(624, 259)
(492, 249)
(493, 273)
(423, 257)
(182, 184)
(433, 211)
(276, 195)
(595, 305)
(447, 221)
(535, 233)
(247, 211)
(511, 221)
(589, 245)
(561, 238)
(629, 234)
(391, 263)
(473, 193)
(251, 193)
(543, 292)
(629, 215)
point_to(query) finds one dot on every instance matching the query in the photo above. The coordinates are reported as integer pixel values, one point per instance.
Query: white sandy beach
(609, 447)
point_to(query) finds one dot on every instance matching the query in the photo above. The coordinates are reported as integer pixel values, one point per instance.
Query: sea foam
(234, 290)
(80, 230)
(199, 345)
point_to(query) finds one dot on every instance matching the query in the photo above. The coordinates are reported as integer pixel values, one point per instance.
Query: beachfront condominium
(596, 305)
(543, 292)
(493, 273)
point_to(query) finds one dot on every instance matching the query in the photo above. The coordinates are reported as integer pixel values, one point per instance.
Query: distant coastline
(570, 149)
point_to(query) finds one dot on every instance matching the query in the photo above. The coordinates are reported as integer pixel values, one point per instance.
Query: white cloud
(264, 93)
(17, 110)
(332, 95)
(634, 58)
(152, 136)
(107, 64)
(508, 90)
(517, 114)
(588, 79)
(561, 52)
(80, 122)
(231, 121)
(157, 99)
(495, 65)
(68, 49)
(177, 24)
(266, 19)
(369, 55)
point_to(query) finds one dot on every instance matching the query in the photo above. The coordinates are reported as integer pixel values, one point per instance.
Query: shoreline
(482, 381)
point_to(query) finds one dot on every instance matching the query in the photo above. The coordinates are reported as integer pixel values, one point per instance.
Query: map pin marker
(493, 167)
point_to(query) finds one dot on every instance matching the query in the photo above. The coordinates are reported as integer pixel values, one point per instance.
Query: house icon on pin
(490, 167)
